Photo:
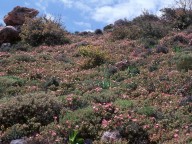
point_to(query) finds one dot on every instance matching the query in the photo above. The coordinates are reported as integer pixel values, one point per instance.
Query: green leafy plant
(133, 71)
(74, 139)
(177, 49)
(105, 84)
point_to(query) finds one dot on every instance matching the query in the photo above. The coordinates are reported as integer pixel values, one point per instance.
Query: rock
(88, 141)
(18, 141)
(185, 101)
(111, 136)
(8, 34)
(62, 57)
(5, 47)
(83, 43)
(162, 49)
(122, 65)
(112, 70)
(18, 14)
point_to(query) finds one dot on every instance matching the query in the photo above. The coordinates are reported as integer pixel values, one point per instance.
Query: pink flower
(104, 123)
(157, 126)
(128, 116)
(134, 120)
(176, 130)
(187, 134)
(55, 118)
(146, 126)
(175, 135)
(53, 133)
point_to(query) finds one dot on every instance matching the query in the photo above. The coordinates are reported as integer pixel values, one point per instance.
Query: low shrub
(102, 97)
(40, 107)
(147, 110)
(184, 62)
(162, 49)
(95, 56)
(24, 58)
(124, 104)
(133, 71)
(108, 27)
(18, 131)
(20, 46)
(98, 31)
(43, 31)
(132, 32)
(10, 85)
(74, 102)
(154, 30)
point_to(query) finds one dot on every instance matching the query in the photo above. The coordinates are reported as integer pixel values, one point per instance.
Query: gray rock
(111, 136)
(186, 100)
(18, 141)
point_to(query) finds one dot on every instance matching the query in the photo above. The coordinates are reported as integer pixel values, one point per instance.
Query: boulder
(111, 136)
(18, 14)
(18, 141)
(8, 34)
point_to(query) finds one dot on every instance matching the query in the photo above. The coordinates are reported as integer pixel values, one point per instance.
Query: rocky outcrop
(14, 20)
(8, 34)
(18, 14)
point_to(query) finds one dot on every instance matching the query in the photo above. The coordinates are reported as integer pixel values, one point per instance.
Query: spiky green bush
(43, 31)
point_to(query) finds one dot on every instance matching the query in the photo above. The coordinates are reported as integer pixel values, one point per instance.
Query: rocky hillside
(128, 83)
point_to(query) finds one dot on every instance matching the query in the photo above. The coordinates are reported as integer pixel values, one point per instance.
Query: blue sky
(83, 15)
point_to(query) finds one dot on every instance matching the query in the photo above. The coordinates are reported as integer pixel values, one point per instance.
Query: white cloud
(67, 3)
(84, 24)
(89, 30)
(127, 9)
(107, 11)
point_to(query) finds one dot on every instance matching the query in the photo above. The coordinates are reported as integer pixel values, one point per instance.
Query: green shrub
(179, 18)
(147, 110)
(21, 46)
(24, 58)
(177, 49)
(154, 30)
(42, 31)
(95, 56)
(124, 32)
(185, 62)
(18, 131)
(22, 109)
(10, 85)
(106, 96)
(123, 104)
(73, 102)
(108, 27)
(133, 71)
